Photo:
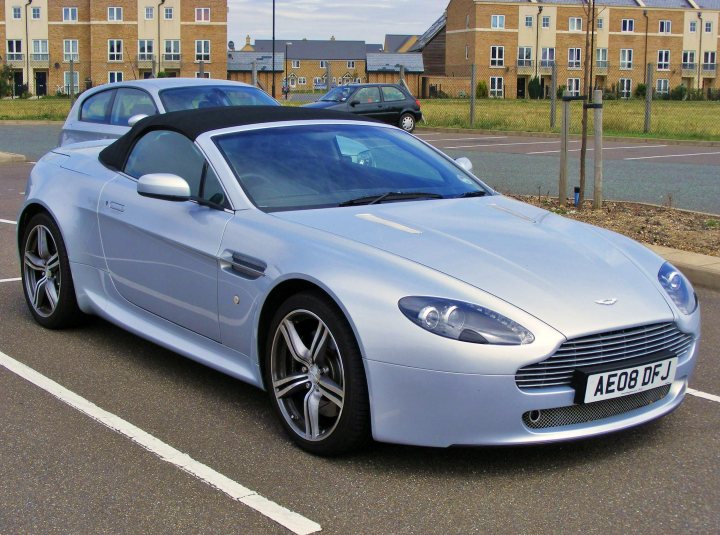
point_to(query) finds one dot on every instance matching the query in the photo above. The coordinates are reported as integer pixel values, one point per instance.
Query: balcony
(709, 70)
(171, 61)
(689, 69)
(39, 60)
(601, 67)
(524, 66)
(145, 61)
(546, 66)
(15, 59)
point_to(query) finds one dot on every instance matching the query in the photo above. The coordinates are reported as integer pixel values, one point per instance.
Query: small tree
(482, 90)
(640, 91)
(6, 81)
(535, 87)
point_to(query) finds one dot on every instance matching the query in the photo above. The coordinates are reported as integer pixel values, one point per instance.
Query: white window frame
(202, 50)
(529, 21)
(546, 21)
(665, 26)
(709, 59)
(323, 64)
(494, 91)
(145, 55)
(149, 12)
(115, 77)
(627, 25)
(663, 60)
(35, 13)
(70, 14)
(693, 26)
(545, 56)
(708, 26)
(626, 59)
(117, 55)
(497, 56)
(40, 48)
(575, 24)
(601, 56)
(16, 13)
(14, 52)
(115, 14)
(205, 74)
(302, 80)
(574, 58)
(688, 58)
(169, 13)
(497, 22)
(599, 23)
(317, 81)
(295, 64)
(202, 14)
(351, 64)
(662, 86)
(174, 54)
(70, 50)
(524, 57)
(573, 86)
(75, 82)
(622, 91)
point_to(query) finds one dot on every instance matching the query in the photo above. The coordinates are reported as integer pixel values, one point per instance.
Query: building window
(115, 14)
(497, 56)
(497, 22)
(573, 58)
(350, 64)
(71, 82)
(296, 64)
(115, 76)
(202, 74)
(575, 25)
(70, 14)
(172, 50)
(202, 50)
(302, 81)
(626, 58)
(573, 86)
(496, 87)
(547, 57)
(115, 50)
(323, 64)
(14, 50)
(70, 50)
(709, 60)
(35, 13)
(665, 26)
(601, 56)
(149, 13)
(317, 81)
(524, 56)
(545, 22)
(40, 50)
(202, 14)
(663, 63)
(599, 24)
(625, 87)
(708, 27)
(688, 59)
(146, 50)
(627, 25)
(168, 13)
(16, 12)
(528, 21)
(693, 26)
(663, 86)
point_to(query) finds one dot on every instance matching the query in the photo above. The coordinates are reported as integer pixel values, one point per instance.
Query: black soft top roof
(193, 123)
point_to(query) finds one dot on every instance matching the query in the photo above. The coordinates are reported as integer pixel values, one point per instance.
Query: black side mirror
(354, 103)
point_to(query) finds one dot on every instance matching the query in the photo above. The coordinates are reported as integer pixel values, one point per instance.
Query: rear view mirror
(465, 163)
(165, 186)
(135, 118)
(354, 103)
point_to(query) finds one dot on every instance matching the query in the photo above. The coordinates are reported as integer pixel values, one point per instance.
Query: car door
(163, 255)
(394, 102)
(366, 101)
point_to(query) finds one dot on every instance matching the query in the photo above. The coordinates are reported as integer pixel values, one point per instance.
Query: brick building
(511, 41)
(111, 40)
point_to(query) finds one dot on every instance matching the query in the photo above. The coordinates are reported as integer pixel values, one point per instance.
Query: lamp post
(27, 47)
(700, 51)
(159, 48)
(647, 21)
(287, 77)
(273, 50)
(537, 39)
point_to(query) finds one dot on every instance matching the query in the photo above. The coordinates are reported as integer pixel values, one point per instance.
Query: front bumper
(431, 408)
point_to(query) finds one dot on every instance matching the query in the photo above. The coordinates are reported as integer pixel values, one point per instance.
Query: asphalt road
(64, 472)
(685, 176)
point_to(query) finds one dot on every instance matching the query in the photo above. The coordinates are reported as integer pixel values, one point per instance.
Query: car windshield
(203, 96)
(321, 165)
(338, 94)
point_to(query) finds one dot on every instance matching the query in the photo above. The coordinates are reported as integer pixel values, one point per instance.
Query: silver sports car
(372, 285)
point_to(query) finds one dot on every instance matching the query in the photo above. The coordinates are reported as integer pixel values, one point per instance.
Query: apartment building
(512, 41)
(55, 45)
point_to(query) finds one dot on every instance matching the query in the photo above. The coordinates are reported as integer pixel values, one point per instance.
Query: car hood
(323, 104)
(551, 267)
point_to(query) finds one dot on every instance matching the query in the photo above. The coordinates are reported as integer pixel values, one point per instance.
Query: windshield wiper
(467, 194)
(391, 196)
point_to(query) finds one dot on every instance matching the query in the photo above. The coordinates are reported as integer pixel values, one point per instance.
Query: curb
(21, 122)
(6, 157)
(702, 270)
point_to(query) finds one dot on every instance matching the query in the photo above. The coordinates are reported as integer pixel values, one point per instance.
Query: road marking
(704, 395)
(508, 144)
(292, 521)
(671, 155)
(11, 280)
(8, 221)
(604, 148)
(466, 138)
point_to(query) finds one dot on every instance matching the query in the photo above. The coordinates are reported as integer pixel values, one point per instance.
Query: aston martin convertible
(373, 286)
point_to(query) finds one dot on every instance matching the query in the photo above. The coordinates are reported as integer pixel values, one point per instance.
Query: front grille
(613, 346)
(578, 414)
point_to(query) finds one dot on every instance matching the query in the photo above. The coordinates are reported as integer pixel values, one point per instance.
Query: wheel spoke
(34, 262)
(331, 390)
(291, 384)
(294, 343)
(312, 413)
(319, 340)
(51, 293)
(42, 243)
(39, 291)
(53, 262)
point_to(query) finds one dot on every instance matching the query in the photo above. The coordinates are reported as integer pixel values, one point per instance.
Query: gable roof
(413, 62)
(430, 34)
(316, 49)
(394, 43)
(242, 61)
(373, 48)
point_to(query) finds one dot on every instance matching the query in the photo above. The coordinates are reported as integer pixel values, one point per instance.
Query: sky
(360, 20)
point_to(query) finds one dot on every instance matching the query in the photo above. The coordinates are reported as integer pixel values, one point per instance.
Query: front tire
(407, 122)
(315, 376)
(47, 281)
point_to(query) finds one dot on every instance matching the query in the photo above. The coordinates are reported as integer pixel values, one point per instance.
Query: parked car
(390, 103)
(372, 285)
(107, 111)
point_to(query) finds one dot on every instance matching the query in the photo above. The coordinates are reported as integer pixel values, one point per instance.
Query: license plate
(622, 382)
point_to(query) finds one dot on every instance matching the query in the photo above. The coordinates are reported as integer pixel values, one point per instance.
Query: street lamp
(287, 77)
(273, 50)
(700, 51)
(537, 38)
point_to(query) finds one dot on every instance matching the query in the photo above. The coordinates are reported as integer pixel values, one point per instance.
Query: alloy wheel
(41, 265)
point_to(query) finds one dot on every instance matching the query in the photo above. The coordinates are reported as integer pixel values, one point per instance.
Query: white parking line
(466, 138)
(508, 144)
(671, 155)
(704, 395)
(11, 280)
(604, 148)
(8, 221)
(292, 521)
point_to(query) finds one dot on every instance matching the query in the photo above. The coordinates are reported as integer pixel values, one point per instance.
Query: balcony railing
(40, 58)
(171, 57)
(524, 66)
(14, 56)
(689, 69)
(546, 66)
(709, 70)
(146, 57)
(601, 66)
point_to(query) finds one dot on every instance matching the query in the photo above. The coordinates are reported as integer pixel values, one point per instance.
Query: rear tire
(407, 122)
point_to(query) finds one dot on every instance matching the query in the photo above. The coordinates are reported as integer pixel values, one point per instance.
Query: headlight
(678, 288)
(464, 321)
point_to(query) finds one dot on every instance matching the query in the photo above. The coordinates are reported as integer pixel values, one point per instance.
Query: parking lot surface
(65, 472)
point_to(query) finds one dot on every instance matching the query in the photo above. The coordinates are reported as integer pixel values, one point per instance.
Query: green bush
(482, 90)
(678, 93)
(535, 87)
(560, 91)
(640, 91)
